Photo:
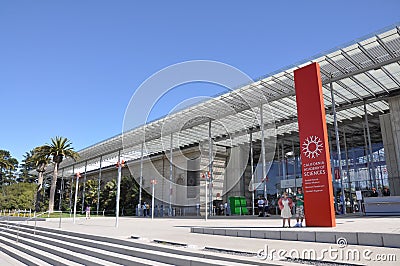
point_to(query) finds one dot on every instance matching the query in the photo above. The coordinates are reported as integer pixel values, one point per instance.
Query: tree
(108, 196)
(129, 195)
(18, 196)
(7, 164)
(36, 159)
(5, 157)
(4, 166)
(59, 149)
(26, 166)
(91, 188)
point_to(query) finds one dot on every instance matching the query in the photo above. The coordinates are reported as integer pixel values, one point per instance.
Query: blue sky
(69, 68)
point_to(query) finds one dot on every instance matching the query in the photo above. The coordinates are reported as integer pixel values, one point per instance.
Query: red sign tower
(314, 148)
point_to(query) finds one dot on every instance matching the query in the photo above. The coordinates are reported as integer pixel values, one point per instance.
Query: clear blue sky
(69, 68)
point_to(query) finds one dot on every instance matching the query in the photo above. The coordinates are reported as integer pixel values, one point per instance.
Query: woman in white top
(285, 204)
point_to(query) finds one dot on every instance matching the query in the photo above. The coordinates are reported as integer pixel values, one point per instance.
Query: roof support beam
(362, 70)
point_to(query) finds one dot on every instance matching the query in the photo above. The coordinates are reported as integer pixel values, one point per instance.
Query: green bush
(18, 196)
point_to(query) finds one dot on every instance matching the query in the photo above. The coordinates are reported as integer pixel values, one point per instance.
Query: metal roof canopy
(367, 71)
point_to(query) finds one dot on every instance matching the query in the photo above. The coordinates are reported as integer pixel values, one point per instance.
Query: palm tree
(59, 149)
(39, 161)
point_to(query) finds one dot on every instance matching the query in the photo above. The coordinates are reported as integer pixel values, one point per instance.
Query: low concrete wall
(352, 238)
(382, 205)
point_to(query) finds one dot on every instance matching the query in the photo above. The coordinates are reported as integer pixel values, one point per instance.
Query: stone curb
(352, 238)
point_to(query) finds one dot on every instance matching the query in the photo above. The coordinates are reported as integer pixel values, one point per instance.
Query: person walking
(285, 205)
(260, 205)
(226, 208)
(266, 207)
(299, 208)
(145, 209)
(87, 210)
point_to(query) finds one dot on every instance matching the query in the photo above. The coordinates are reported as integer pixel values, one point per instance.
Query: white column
(76, 194)
(140, 179)
(84, 188)
(153, 183)
(210, 151)
(208, 208)
(371, 157)
(72, 184)
(170, 176)
(61, 189)
(343, 196)
(390, 126)
(264, 170)
(252, 172)
(98, 188)
(118, 189)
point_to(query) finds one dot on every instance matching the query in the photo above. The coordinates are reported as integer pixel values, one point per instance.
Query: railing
(35, 216)
(17, 213)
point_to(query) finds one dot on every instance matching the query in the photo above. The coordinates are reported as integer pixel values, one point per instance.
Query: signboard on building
(358, 195)
(288, 183)
(316, 174)
(291, 183)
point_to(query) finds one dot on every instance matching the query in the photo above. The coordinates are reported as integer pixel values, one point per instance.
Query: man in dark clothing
(386, 192)
(374, 193)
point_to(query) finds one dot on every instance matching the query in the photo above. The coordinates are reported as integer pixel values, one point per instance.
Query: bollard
(18, 232)
(34, 230)
(59, 223)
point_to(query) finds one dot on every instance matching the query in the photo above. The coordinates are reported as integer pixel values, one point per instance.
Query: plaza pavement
(178, 230)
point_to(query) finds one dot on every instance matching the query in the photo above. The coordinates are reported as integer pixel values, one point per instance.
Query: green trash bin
(238, 205)
(243, 204)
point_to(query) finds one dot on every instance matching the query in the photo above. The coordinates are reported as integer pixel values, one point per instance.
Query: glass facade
(358, 171)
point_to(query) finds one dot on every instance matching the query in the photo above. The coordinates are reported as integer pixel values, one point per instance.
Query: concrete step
(89, 255)
(17, 257)
(98, 241)
(132, 249)
(40, 257)
(121, 254)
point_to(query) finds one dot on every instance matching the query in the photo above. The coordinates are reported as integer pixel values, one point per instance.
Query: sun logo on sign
(312, 147)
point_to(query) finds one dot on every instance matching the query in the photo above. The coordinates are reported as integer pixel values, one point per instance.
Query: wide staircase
(30, 245)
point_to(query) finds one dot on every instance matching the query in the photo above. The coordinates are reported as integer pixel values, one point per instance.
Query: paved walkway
(178, 231)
